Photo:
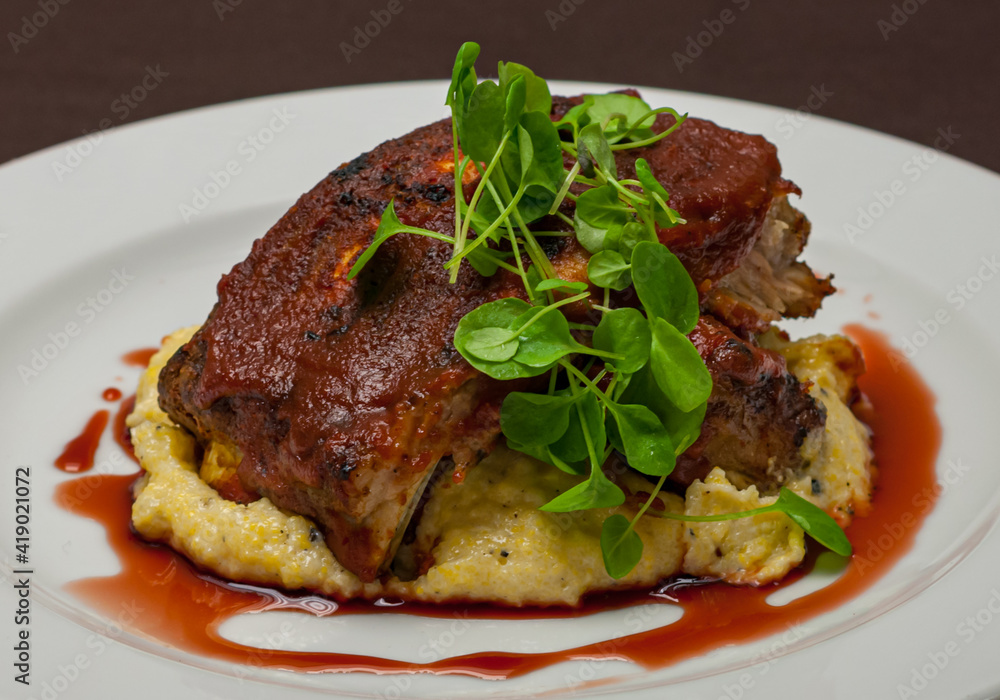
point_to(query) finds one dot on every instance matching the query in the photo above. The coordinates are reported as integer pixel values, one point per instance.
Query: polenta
(485, 539)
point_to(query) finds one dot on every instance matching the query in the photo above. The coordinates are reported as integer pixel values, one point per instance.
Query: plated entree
(516, 356)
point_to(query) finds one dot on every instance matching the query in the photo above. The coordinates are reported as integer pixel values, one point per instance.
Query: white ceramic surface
(166, 206)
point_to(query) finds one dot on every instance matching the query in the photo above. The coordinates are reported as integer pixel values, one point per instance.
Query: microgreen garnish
(628, 379)
(810, 517)
(622, 547)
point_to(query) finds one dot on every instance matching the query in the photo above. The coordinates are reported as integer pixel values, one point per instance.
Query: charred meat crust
(758, 414)
(342, 395)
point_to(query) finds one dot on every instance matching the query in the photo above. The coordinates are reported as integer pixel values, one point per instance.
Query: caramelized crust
(758, 415)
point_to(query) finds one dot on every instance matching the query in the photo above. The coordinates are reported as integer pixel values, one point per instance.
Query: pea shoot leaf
(658, 196)
(541, 453)
(579, 467)
(482, 123)
(489, 209)
(593, 149)
(572, 446)
(463, 83)
(596, 492)
(609, 269)
(576, 117)
(591, 237)
(546, 340)
(586, 416)
(810, 517)
(514, 98)
(510, 338)
(535, 202)
(624, 332)
(678, 368)
(479, 221)
(463, 75)
(633, 233)
(649, 182)
(493, 344)
(621, 546)
(601, 208)
(502, 314)
(511, 369)
(623, 111)
(546, 455)
(540, 152)
(533, 278)
(535, 420)
(613, 239)
(644, 440)
(484, 260)
(389, 225)
(560, 284)
(814, 520)
(684, 427)
(538, 98)
(664, 286)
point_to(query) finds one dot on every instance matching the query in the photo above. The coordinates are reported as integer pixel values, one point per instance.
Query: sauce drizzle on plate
(139, 358)
(184, 609)
(120, 431)
(78, 455)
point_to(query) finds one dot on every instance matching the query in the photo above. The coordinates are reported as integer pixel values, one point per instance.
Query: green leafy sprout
(639, 387)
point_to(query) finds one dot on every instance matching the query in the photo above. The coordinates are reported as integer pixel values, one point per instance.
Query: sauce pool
(184, 609)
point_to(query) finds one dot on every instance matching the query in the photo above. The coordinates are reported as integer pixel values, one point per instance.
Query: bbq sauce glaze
(184, 608)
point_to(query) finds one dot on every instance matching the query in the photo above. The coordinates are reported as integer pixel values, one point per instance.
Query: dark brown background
(939, 70)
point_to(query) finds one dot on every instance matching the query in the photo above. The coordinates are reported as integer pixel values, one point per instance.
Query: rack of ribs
(344, 395)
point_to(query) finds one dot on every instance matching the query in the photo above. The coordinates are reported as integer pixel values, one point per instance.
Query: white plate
(73, 215)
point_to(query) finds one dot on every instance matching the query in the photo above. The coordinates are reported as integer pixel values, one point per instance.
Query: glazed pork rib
(343, 395)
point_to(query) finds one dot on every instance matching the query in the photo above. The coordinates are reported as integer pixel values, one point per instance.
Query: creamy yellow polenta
(485, 537)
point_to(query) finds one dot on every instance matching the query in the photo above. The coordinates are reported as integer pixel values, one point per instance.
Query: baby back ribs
(343, 395)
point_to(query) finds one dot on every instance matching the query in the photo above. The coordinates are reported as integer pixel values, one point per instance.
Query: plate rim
(195, 113)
